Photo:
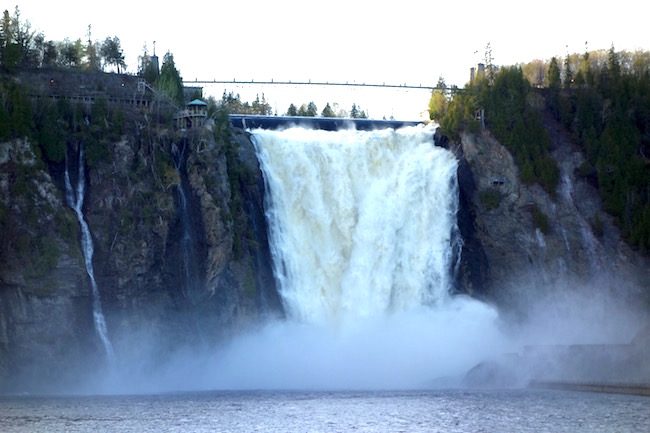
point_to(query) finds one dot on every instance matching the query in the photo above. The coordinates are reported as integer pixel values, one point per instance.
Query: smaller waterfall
(189, 261)
(75, 200)
(589, 242)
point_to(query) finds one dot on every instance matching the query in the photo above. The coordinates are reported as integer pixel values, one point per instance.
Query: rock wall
(535, 242)
(132, 208)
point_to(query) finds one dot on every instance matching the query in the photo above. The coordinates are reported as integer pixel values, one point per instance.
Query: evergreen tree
(3, 39)
(260, 106)
(328, 111)
(292, 110)
(170, 81)
(50, 54)
(554, 80)
(111, 51)
(437, 105)
(354, 112)
(147, 69)
(312, 110)
(93, 62)
(10, 51)
(70, 53)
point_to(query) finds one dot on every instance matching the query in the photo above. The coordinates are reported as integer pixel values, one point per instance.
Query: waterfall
(361, 222)
(189, 262)
(363, 236)
(75, 199)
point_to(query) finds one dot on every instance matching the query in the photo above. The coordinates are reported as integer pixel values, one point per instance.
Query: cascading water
(75, 199)
(362, 231)
(190, 273)
(360, 222)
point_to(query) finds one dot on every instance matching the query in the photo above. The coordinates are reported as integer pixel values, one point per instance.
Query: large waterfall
(361, 222)
(75, 200)
(362, 230)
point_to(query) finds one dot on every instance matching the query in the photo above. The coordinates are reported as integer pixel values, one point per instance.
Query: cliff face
(42, 273)
(134, 208)
(536, 243)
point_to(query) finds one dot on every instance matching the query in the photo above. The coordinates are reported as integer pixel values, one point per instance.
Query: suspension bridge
(405, 86)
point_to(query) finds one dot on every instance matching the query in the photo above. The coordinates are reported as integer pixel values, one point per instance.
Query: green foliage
(357, 113)
(438, 105)
(460, 114)
(568, 73)
(238, 176)
(170, 81)
(509, 116)
(70, 53)
(292, 110)
(608, 114)
(148, 69)
(490, 198)
(16, 42)
(232, 103)
(44, 254)
(328, 111)
(111, 51)
(49, 132)
(554, 79)
(308, 110)
(15, 110)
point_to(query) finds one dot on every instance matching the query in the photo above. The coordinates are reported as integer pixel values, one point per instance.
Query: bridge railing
(405, 86)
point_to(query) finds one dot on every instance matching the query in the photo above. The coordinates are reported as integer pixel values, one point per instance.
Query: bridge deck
(325, 123)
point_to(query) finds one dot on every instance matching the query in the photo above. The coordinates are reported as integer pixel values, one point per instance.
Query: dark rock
(473, 271)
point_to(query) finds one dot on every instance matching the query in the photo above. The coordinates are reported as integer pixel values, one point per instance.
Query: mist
(422, 348)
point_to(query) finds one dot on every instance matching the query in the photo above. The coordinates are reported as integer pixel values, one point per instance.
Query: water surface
(430, 411)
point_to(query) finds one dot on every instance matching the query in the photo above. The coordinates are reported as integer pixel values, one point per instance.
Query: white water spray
(360, 222)
(75, 200)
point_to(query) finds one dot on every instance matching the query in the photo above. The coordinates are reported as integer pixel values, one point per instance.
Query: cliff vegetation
(601, 99)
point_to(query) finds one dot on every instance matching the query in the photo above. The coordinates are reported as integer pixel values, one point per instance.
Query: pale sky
(405, 41)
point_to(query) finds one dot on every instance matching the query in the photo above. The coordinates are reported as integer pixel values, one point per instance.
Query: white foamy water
(360, 222)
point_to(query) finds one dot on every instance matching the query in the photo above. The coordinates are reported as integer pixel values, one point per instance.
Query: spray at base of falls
(75, 199)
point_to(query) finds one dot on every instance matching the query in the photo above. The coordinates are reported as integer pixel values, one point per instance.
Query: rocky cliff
(134, 206)
(537, 243)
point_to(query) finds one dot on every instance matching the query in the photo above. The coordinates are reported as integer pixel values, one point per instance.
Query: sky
(405, 41)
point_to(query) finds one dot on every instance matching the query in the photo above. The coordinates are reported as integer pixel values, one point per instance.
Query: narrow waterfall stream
(75, 200)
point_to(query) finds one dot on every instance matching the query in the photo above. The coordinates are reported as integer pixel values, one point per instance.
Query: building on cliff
(193, 116)
(87, 87)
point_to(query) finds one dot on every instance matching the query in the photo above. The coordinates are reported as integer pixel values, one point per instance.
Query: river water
(389, 411)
